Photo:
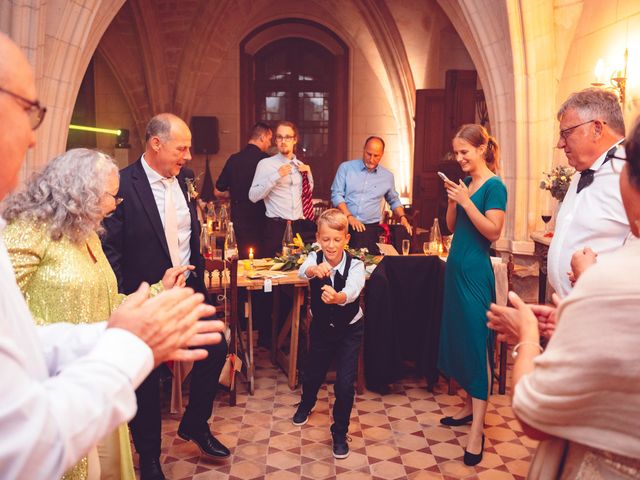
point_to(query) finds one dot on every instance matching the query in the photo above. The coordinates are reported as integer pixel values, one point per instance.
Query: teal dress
(469, 288)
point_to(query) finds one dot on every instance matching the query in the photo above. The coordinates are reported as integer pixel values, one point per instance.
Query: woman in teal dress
(475, 212)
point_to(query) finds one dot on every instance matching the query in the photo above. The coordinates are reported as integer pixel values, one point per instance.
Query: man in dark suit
(234, 183)
(154, 228)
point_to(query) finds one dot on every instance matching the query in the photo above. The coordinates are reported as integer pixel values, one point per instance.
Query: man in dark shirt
(234, 183)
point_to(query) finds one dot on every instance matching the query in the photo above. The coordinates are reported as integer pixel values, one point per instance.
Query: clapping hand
(174, 276)
(580, 261)
(547, 317)
(513, 324)
(168, 323)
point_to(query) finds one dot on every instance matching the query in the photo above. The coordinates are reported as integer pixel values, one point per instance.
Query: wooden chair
(182, 369)
(320, 206)
(500, 348)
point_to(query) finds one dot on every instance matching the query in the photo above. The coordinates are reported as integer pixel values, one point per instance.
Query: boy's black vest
(335, 316)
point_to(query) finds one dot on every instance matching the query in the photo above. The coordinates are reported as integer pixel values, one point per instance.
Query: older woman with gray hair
(52, 239)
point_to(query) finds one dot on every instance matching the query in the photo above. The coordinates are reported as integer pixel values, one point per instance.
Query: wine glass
(406, 244)
(546, 218)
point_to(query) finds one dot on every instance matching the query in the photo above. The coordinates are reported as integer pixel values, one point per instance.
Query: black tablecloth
(403, 310)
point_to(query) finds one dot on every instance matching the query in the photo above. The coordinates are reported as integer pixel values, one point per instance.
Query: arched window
(299, 79)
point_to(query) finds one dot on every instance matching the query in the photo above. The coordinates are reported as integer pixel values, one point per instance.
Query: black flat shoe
(471, 459)
(456, 422)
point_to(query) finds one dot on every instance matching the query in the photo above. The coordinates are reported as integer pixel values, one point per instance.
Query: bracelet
(514, 354)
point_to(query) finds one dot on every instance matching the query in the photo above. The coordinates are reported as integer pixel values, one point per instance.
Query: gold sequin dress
(66, 282)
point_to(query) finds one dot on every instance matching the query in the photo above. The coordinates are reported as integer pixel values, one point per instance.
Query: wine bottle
(230, 244)
(287, 239)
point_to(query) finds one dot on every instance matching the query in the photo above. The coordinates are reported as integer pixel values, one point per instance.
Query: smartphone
(443, 177)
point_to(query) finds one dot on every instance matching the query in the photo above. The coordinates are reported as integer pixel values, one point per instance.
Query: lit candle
(251, 254)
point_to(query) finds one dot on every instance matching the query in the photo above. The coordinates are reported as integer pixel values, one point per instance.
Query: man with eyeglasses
(285, 184)
(156, 227)
(64, 387)
(591, 220)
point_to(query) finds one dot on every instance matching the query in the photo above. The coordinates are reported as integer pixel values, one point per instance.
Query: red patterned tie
(307, 203)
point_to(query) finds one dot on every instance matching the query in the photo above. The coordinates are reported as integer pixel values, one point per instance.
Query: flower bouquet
(296, 255)
(557, 181)
(299, 251)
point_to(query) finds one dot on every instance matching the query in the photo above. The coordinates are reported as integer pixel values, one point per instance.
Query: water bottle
(230, 244)
(435, 239)
(287, 240)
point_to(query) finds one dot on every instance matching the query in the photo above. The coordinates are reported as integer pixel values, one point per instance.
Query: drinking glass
(425, 248)
(546, 218)
(216, 253)
(382, 239)
(406, 244)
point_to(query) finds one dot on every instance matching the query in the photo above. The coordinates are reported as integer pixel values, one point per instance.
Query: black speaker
(204, 135)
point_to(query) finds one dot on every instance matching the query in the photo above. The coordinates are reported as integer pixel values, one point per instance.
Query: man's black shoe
(207, 443)
(340, 446)
(150, 469)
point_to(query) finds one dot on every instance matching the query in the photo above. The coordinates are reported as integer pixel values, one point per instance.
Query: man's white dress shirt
(282, 195)
(63, 387)
(182, 210)
(593, 218)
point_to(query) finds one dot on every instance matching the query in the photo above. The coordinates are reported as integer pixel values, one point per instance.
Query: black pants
(326, 344)
(146, 426)
(366, 239)
(274, 231)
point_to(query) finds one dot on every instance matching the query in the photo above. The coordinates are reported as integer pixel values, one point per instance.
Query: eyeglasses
(565, 133)
(116, 199)
(286, 138)
(34, 109)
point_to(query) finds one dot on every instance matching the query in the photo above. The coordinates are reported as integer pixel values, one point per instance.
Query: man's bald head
(16, 134)
(168, 143)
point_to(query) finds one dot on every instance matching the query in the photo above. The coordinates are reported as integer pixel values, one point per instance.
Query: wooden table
(283, 353)
(541, 248)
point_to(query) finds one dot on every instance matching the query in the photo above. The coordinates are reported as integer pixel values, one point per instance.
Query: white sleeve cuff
(126, 352)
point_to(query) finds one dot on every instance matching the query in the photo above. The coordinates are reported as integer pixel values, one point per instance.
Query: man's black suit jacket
(135, 242)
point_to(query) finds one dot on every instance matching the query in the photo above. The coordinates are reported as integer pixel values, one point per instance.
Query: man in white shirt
(64, 387)
(592, 214)
(285, 184)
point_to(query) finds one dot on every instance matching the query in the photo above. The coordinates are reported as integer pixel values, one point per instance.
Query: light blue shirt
(353, 285)
(363, 190)
(282, 195)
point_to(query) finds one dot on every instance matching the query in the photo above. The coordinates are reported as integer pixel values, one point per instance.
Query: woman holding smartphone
(475, 212)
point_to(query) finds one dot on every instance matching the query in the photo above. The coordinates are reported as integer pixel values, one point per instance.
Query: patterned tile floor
(397, 435)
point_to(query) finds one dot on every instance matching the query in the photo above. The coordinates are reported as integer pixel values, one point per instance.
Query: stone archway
(507, 41)
(59, 49)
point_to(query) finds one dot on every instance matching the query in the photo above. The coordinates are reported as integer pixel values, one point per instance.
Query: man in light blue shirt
(279, 182)
(358, 190)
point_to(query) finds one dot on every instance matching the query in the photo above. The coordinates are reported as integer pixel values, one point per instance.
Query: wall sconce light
(618, 79)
